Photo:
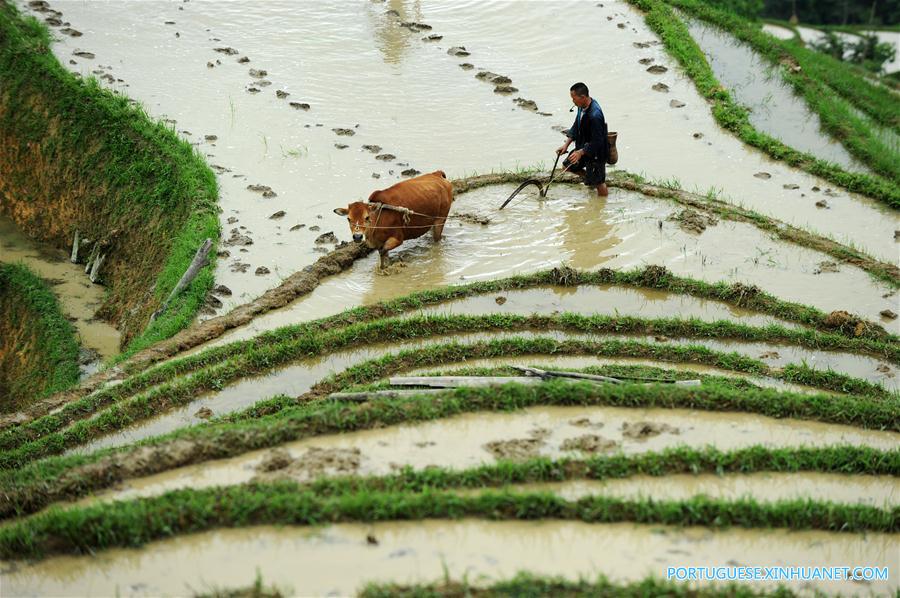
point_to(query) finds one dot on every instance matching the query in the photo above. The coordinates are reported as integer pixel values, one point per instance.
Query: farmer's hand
(562, 149)
(575, 157)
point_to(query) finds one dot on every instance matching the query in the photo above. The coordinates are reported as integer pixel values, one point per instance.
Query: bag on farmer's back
(612, 155)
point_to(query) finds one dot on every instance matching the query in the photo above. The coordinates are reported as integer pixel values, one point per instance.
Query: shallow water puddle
(472, 439)
(298, 378)
(621, 232)
(78, 297)
(261, 139)
(778, 31)
(774, 107)
(875, 491)
(313, 561)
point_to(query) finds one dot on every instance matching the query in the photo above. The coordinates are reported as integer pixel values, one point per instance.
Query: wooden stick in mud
(187, 277)
(554, 374)
(456, 381)
(91, 257)
(95, 271)
(74, 258)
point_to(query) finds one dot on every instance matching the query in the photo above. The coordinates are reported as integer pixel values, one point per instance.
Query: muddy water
(472, 439)
(621, 232)
(310, 50)
(778, 31)
(78, 297)
(774, 107)
(299, 377)
(875, 491)
(313, 561)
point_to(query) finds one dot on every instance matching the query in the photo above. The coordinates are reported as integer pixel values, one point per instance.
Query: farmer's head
(580, 95)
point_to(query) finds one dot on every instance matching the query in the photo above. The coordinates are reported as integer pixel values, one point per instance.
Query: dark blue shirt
(590, 133)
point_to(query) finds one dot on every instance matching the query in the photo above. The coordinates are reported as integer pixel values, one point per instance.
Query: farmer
(589, 134)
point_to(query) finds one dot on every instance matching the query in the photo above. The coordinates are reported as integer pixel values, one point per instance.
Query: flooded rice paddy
(299, 377)
(78, 297)
(358, 47)
(324, 103)
(313, 561)
(774, 107)
(472, 439)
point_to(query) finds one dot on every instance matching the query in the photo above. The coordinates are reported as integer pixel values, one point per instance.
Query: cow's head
(358, 215)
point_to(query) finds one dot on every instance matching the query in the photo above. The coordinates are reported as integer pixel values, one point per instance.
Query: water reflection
(391, 39)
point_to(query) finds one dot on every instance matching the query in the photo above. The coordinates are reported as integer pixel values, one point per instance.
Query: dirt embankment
(38, 350)
(76, 157)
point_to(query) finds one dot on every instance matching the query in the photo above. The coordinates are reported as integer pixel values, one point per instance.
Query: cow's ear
(341, 211)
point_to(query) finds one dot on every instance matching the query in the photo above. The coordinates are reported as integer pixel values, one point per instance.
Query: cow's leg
(438, 229)
(391, 243)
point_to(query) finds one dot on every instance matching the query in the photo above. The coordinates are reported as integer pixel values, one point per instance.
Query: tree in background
(867, 52)
(750, 9)
(830, 12)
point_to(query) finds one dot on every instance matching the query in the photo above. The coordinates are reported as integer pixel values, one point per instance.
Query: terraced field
(569, 397)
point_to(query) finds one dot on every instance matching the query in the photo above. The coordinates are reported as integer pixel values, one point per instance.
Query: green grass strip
(107, 165)
(134, 523)
(183, 390)
(258, 358)
(527, 585)
(679, 460)
(38, 345)
(678, 42)
(38, 484)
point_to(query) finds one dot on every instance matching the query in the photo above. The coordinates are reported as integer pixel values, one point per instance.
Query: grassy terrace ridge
(134, 523)
(873, 339)
(848, 128)
(38, 345)
(43, 436)
(527, 585)
(38, 484)
(80, 157)
(819, 73)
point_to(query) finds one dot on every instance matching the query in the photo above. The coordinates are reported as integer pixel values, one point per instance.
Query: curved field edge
(80, 157)
(678, 42)
(46, 436)
(650, 277)
(656, 277)
(38, 484)
(38, 345)
(134, 523)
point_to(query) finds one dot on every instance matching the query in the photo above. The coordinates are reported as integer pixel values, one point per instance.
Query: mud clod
(411, 172)
(204, 413)
(274, 460)
(221, 289)
(517, 449)
(654, 275)
(372, 148)
(763, 175)
(646, 61)
(262, 271)
(299, 105)
(326, 238)
(238, 239)
(657, 69)
(277, 215)
(316, 462)
(264, 189)
(663, 88)
(693, 221)
(827, 266)
(228, 51)
(504, 89)
(344, 132)
(526, 104)
(564, 276)
(466, 66)
(500, 300)
(770, 355)
(472, 218)
(886, 313)
(458, 51)
(643, 430)
(676, 104)
(589, 443)
(385, 157)
(585, 422)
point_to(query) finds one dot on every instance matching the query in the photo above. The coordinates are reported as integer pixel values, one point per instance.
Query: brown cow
(404, 211)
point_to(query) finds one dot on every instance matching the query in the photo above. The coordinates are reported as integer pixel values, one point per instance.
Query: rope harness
(407, 215)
